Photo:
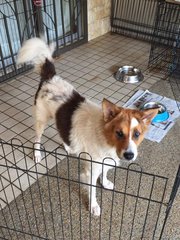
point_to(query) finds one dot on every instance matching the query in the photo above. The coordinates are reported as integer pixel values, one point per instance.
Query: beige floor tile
(9, 194)
(8, 135)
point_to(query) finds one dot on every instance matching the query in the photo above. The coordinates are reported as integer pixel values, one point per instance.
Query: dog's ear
(149, 114)
(110, 110)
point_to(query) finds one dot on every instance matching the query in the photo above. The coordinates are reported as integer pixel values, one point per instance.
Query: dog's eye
(136, 134)
(119, 134)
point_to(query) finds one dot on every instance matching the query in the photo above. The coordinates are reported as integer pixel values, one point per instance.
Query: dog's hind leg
(41, 120)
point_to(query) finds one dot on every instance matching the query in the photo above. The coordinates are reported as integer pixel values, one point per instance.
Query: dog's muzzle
(128, 156)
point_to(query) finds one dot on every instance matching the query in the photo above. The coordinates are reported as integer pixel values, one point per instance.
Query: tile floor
(90, 69)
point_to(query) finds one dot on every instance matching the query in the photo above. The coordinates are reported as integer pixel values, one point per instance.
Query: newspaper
(156, 131)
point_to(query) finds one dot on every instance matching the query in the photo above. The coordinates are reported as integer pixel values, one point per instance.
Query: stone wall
(99, 12)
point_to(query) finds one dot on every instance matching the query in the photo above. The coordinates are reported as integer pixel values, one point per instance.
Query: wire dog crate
(165, 44)
(41, 202)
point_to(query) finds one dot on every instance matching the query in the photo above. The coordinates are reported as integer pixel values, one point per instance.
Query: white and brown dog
(106, 131)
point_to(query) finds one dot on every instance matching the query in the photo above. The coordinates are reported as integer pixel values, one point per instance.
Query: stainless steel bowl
(129, 74)
(149, 105)
(162, 115)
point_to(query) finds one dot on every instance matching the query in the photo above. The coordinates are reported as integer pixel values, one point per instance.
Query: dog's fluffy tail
(35, 51)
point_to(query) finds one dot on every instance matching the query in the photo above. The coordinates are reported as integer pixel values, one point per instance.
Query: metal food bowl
(129, 74)
(162, 115)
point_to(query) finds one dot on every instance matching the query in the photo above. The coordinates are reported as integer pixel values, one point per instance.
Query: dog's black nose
(128, 155)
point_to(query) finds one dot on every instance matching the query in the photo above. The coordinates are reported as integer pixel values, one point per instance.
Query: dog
(106, 132)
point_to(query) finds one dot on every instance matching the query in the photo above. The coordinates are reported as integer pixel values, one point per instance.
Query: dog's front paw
(96, 210)
(37, 156)
(108, 184)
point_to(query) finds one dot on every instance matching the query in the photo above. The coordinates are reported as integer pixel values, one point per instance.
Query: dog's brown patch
(47, 70)
(47, 73)
(64, 115)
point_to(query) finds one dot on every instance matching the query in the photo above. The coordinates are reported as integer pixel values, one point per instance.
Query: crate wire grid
(165, 43)
(56, 205)
(174, 80)
(164, 58)
(134, 18)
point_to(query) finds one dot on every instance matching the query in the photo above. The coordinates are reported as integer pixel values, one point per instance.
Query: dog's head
(124, 128)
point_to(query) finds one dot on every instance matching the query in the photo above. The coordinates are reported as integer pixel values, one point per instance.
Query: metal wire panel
(41, 202)
(134, 18)
(16, 23)
(165, 45)
(61, 21)
(174, 80)
(164, 58)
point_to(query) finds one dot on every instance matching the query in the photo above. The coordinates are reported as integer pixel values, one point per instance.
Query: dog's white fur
(87, 132)
(35, 51)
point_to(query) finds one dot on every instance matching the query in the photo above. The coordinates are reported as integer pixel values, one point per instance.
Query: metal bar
(31, 195)
(111, 214)
(20, 185)
(39, 22)
(101, 204)
(143, 11)
(59, 197)
(62, 19)
(26, 18)
(70, 13)
(2, 59)
(80, 202)
(112, 11)
(89, 197)
(123, 205)
(84, 20)
(158, 214)
(47, 32)
(174, 191)
(147, 211)
(17, 19)
(77, 22)
(9, 42)
(134, 215)
(41, 201)
(37, 14)
(69, 198)
(50, 199)
(55, 23)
